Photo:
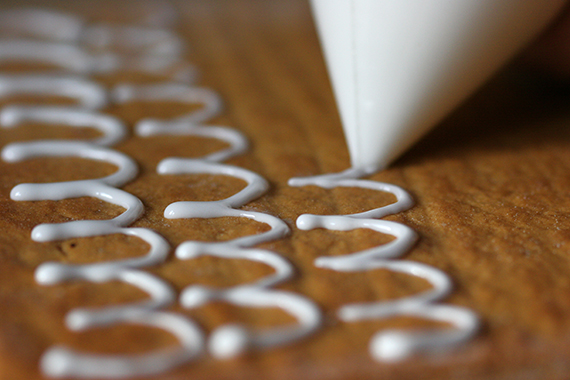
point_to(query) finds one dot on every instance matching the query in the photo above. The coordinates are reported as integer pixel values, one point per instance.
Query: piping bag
(398, 67)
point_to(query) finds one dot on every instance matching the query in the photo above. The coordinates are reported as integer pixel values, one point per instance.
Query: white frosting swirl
(391, 345)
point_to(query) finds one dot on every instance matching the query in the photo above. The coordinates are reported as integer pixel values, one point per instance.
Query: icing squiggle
(63, 362)
(59, 26)
(391, 345)
(212, 104)
(228, 340)
(73, 58)
(88, 94)
(113, 129)
(256, 186)
(133, 39)
(60, 361)
(157, 50)
(41, 23)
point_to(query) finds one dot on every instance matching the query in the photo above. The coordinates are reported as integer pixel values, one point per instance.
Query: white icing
(67, 42)
(133, 39)
(41, 23)
(87, 93)
(238, 143)
(227, 340)
(158, 13)
(212, 104)
(63, 362)
(231, 340)
(161, 295)
(73, 58)
(112, 128)
(127, 168)
(50, 273)
(256, 186)
(163, 65)
(283, 269)
(66, 56)
(391, 345)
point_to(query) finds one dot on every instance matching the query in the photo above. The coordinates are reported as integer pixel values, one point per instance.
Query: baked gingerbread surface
(492, 211)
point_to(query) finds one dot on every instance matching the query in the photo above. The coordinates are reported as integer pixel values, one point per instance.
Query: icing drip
(391, 345)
